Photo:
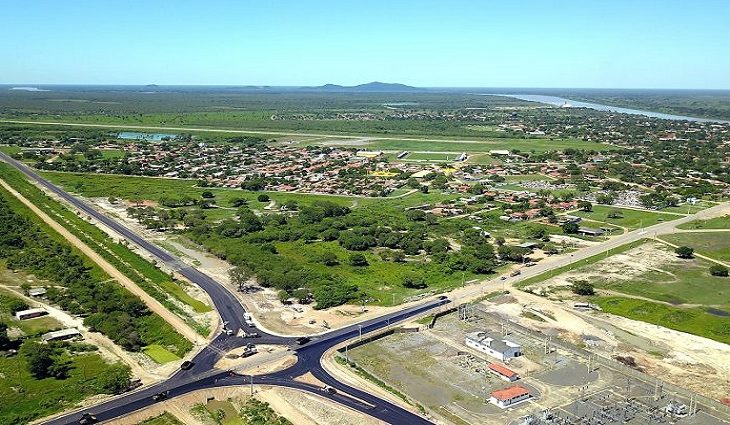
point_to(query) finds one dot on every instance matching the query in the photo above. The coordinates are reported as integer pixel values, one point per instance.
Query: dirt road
(154, 305)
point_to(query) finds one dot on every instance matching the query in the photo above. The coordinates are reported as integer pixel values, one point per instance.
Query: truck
(249, 320)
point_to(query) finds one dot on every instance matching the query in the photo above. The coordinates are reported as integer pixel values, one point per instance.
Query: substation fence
(666, 388)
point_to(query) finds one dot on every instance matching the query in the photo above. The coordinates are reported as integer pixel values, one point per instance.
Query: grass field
(148, 188)
(684, 282)
(714, 245)
(697, 321)
(524, 145)
(380, 280)
(432, 157)
(25, 398)
(683, 209)
(631, 220)
(713, 223)
(160, 354)
(166, 418)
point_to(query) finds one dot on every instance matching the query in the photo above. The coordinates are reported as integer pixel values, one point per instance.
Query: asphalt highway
(203, 374)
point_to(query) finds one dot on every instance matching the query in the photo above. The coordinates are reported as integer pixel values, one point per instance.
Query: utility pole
(251, 384)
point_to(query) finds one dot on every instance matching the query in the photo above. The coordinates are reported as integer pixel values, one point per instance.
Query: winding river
(560, 101)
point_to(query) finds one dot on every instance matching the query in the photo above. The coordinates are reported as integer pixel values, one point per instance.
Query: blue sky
(506, 43)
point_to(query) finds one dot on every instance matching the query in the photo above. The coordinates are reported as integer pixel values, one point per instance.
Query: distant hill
(374, 87)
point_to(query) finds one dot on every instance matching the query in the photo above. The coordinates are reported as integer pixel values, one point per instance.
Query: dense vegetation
(44, 378)
(79, 289)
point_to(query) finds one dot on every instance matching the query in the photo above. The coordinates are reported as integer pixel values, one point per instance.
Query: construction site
(471, 365)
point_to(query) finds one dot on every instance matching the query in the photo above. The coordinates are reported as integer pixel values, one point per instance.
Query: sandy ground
(690, 361)
(270, 358)
(132, 287)
(620, 267)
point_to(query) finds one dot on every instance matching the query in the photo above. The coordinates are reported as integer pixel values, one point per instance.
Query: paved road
(203, 374)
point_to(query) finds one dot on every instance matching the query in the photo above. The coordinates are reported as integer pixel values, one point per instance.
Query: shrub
(684, 252)
(583, 287)
(718, 270)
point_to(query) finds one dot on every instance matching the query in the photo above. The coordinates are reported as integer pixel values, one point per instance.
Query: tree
(115, 380)
(263, 198)
(15, 305)
(238, 277)
(614, 213)
(414, 281)
(416, 215)
(684, 252)
(329, 259)
(583, 287)
(585, 206)
(718, 270)
(413, 183)
(238, 202)
(570, 227)
(43, 360)
(424, 189)
(358, 260)
(207, 194)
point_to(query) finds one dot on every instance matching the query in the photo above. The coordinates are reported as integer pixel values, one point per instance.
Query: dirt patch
(623, 267)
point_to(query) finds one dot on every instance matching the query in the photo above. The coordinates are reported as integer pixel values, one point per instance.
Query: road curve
(203, 374)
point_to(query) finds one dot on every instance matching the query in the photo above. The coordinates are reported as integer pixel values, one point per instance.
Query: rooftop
(502, 370)
(510, 393)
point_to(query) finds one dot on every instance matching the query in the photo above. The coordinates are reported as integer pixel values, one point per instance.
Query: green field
(432, 157)
(714, 245)
(24, 397)
(690, 209)
(380, 280)
(149, 188)
(685, 282)
(160, 354)
(697, 321)
(713, 223)
(523, 145)
(631, 220)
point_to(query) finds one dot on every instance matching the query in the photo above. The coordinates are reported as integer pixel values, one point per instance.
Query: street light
(360, 329)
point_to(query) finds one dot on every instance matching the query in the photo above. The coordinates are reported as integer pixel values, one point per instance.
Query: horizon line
(12, 85)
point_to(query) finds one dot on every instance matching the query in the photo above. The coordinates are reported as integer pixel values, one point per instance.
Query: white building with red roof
(510, 396)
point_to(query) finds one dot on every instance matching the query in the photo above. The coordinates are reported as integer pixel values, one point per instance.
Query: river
(561, 101)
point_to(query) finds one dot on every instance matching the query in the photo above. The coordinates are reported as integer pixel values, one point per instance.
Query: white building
(499, 348)
(61, 335)
(30, 313)
(509, 396)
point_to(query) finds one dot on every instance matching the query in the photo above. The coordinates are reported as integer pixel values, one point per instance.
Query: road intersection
(204, 374)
